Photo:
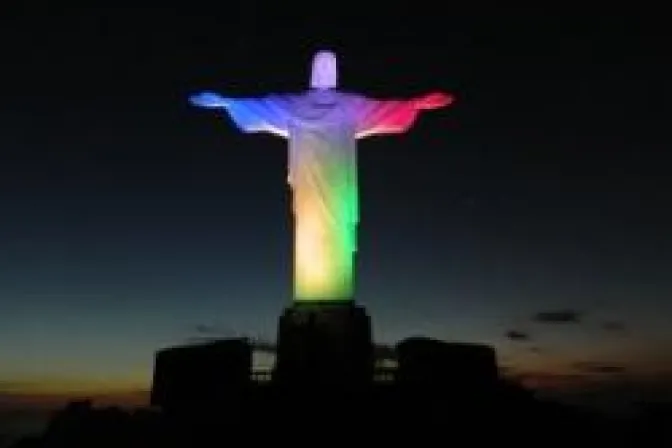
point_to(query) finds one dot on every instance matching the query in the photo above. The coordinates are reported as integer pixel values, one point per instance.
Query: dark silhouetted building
(206, 375)
(462, 366)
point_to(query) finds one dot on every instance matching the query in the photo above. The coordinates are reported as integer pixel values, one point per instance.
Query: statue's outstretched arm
(266, 114)
(434, 100)
(209, 100)
(384, 117)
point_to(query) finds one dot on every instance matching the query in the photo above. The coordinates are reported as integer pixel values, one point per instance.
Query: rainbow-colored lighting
(322, 126)
(323, 180)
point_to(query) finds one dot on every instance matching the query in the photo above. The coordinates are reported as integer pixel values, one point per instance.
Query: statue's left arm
(381, 117)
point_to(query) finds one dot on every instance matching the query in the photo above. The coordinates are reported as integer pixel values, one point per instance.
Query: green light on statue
(322, 126)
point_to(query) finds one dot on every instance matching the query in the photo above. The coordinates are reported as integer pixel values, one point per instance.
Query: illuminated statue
(322, 125)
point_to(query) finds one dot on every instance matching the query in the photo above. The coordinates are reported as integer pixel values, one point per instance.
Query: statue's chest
(322, 115)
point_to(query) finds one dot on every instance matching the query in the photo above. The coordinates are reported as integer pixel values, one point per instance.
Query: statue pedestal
(324, 344)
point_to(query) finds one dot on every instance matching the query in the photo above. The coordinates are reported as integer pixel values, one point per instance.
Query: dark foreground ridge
(326, 388)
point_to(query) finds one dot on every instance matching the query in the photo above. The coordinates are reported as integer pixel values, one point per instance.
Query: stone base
(324, 343)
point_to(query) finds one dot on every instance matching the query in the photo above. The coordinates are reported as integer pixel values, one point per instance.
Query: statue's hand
(209, 100)
(433, 100)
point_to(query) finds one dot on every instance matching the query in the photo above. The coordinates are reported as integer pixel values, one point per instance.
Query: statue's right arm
(209, 100)
(265, 114)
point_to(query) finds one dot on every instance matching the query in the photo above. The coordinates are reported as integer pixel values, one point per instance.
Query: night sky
(532, 214)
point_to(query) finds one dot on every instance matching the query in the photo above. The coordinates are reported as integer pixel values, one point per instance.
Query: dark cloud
(567, 316)
(201, 339)
(548, 380)
(614, 327)
(516, 335)
(221, 331)
(202, 328)
(600, 368)
(204, 333)
(536, 349)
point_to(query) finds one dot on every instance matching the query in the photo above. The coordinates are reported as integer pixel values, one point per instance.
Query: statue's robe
(322, 127)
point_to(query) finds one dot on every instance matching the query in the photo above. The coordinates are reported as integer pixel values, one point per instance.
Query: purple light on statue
(322, 126)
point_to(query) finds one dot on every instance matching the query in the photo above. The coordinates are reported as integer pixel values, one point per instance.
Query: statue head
(324, 74)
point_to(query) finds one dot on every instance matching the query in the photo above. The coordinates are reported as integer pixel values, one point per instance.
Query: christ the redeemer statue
(322, 125)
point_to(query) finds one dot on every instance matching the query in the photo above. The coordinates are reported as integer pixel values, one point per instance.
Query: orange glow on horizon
(55, 400)
(50, 392)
